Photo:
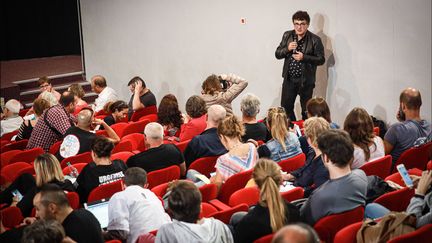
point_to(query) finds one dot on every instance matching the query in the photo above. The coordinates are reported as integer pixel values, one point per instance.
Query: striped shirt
(229, 165)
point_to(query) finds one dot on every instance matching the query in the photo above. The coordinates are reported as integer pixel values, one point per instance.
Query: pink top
(229, 165)
(78, 108)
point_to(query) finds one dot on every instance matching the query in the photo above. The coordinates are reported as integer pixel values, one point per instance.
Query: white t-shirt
(10, 124)
(376, 152)
(107, 95)
(136, 210)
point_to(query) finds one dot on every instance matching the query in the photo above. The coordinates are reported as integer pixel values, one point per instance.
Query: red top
(194, 127)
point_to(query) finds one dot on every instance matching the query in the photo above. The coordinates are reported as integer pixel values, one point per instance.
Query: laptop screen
(100, 210)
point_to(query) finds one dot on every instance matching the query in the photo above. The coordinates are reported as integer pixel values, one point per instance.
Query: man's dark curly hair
(168, 112)
(301, 15)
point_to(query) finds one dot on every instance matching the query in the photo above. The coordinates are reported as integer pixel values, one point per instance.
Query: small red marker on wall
(243, 21)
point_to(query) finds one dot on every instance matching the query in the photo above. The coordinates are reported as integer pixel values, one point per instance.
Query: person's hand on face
(138, 87)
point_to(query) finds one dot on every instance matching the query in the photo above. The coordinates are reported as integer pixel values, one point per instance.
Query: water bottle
(73, 171)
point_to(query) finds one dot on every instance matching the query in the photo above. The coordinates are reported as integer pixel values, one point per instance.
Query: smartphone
(18, 194)
(405, 176)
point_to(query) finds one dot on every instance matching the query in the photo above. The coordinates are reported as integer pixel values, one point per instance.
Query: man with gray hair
(134, 211)
(296, 233)
(158, 155)
(78, 139)
(10, 119)
(250, 107)
(208, 142)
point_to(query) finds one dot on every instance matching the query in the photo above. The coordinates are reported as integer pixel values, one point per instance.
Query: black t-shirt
(109, 120)
(256, 223)
(157, 158)
(256, 131)
(13, 235)
(82, 226)
(146, 99)
(94, 175)
(85, 139)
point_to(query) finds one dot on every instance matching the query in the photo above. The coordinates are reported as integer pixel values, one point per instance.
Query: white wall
(374, 49)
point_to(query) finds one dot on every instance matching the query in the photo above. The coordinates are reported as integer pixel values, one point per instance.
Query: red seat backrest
(124, 156)
(379, 167)
(11, 217)
(234, 183)
(208, 192)
(8, 136)
(415, 157)
(78, 166)
(293, 194)
(5, 157)
(157, 177)
(225, 215)
(204, 165)
(18, 145)
(143, 112)
(137, 140)
(105, 191)
(119, 128)
(55, 147)
(265, 239)
(423, 234)
(13, 171)
(348, 234)
(397, 201)
(182, 145)
(328, 226)
(207, 209)
(27, 155)
(73, 199)
(248, 195)
(123, 146)
(292, 163)
(135, 127)
(160, 190)
(79, 158)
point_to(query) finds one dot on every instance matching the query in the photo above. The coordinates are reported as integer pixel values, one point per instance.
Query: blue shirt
(274, 150)
(204, 145)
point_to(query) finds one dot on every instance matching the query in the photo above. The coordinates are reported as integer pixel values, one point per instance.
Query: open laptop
(100, 210)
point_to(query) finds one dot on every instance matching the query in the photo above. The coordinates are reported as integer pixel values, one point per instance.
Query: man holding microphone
(303, 51)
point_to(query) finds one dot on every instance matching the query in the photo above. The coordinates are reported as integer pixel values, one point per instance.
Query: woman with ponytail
(284, 144)
(272, 212)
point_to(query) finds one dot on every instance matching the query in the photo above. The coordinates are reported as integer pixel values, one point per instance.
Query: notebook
(100, 210)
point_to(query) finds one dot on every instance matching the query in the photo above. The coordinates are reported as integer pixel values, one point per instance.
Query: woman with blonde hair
(367, 146)
(47, 170)
(240, 157)
(284, 144)
(272, 212)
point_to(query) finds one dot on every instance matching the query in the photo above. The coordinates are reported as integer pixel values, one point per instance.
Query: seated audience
(272, 212)
(47, 231)
(47, 171)
(48, 96)
(158, 155)
(346, 189)
(78, 139)
(195, 118)
(26, 128)
(420, 205)
(169, 115)
(134, 211)
(208, 142)
(45, 85)
(141, 95)
(313, 174)
(214, 93)
(284, 144)
(402, 135)
(367, 146)
(118, 112)
(79, 93)
(101, 171)
(105, 94)
(80, 225)
(184, 205)
(250, 107)
(318, 107)
(53, 123)
(10, 118)
(240, 156)
(296, 233)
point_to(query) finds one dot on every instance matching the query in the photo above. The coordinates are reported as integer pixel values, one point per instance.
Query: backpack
(376, 187)
(390, 226)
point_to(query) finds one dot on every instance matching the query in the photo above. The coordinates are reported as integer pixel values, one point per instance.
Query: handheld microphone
(295, 38)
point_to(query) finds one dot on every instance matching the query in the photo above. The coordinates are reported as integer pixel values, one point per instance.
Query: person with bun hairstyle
(240, 157)
(284, 144)
(118, 111)
(367, 146)
(271, 213)
(102, 170)
(169, 115)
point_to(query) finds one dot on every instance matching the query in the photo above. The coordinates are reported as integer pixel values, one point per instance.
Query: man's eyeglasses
(44, 86)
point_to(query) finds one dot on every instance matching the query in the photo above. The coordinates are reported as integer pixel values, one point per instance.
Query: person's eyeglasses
(44, 86)
(300, 24)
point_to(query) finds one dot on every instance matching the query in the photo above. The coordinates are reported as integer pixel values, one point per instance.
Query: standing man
(303, 51)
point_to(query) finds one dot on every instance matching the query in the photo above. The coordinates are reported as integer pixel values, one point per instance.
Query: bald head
(215, 114)
(84, 118)
(296, 233)
(411, 98)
